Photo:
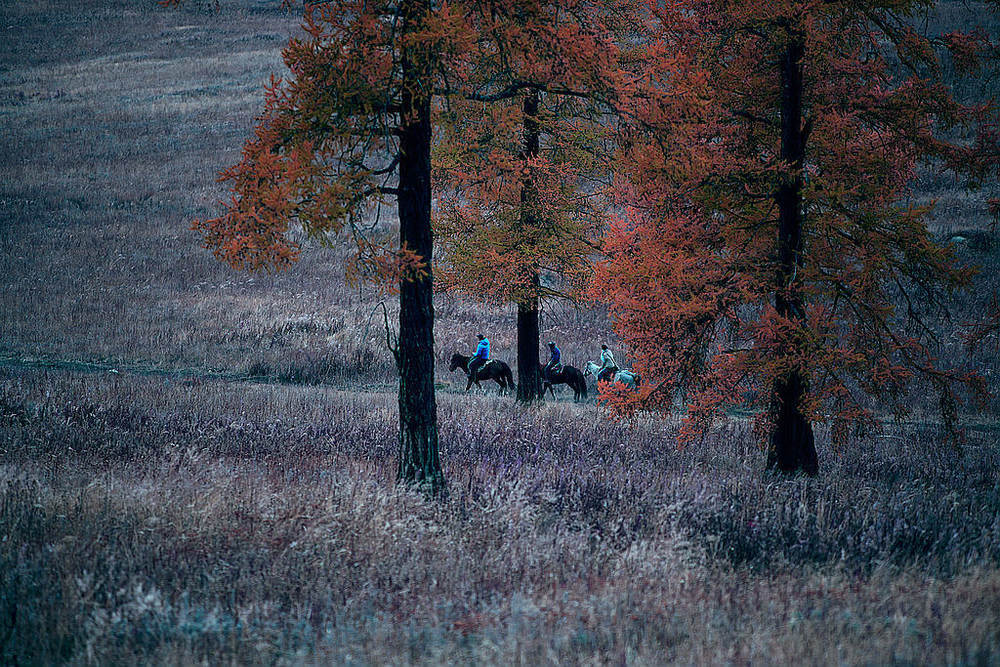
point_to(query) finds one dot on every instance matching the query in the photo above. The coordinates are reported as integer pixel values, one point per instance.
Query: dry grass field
(196, 465)
(164, 521)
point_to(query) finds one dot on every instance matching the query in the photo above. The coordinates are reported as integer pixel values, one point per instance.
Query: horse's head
(457, 361)
(590, 368)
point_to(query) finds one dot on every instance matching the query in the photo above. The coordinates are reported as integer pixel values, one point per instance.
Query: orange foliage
(323, 157)
(509, 213)
(691, 271)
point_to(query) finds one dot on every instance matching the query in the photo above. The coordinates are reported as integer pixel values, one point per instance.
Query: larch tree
(524, 157)
(769, 253)
(349, 132)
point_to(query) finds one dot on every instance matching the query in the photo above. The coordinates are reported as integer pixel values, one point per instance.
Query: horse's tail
(508, 377)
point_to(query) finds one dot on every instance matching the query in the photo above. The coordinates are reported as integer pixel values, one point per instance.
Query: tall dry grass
(145, 520)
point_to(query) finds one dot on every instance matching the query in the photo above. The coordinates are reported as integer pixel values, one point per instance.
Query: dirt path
(8, 360)
(195, 374)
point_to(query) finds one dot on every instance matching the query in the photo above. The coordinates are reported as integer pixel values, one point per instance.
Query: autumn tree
(524, 156)
(347, 133)
(769, 253)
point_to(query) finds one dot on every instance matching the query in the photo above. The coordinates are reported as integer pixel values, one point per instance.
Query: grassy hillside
(115, 122)
(196, 464)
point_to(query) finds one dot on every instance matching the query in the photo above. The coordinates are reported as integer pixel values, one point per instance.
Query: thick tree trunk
(529, 387)
(529, 379)
(418, 436)
(792, 447)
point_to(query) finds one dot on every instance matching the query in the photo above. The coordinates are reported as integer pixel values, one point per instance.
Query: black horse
(568, 375)
(494, 370)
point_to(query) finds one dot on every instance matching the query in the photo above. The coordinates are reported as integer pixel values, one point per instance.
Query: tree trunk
(529, 387)
(792, 447)
(418, 436)
(529, 378)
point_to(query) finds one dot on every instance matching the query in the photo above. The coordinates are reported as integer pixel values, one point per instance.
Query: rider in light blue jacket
(481, 357)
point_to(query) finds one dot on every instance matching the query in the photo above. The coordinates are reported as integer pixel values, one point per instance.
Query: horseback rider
(608, 365)
(481, 357)
(554, 366)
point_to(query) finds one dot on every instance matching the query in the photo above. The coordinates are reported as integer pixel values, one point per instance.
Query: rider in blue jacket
(553, 366)
(481, 357)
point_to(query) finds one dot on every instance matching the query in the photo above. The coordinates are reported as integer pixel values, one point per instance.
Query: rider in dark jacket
(554, 366)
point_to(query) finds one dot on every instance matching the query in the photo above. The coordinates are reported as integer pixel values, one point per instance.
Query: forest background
(198, 462)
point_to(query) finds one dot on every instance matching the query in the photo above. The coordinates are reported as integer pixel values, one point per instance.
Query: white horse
(628, 378)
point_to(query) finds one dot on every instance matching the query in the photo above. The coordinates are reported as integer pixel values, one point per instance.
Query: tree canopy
(770, 254)
(764, 248)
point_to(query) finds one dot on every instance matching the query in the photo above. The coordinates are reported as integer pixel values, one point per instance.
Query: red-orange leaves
(251, 233)
(524, 156)
(719, 308)
(324, 153)
(968, 49)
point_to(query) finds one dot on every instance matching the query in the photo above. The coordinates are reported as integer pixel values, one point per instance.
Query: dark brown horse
(494, 370)
(568, 375)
